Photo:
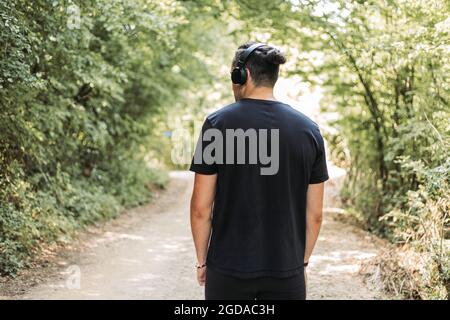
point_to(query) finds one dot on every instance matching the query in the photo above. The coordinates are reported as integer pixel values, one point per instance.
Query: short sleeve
(319, 171)
(199, 164)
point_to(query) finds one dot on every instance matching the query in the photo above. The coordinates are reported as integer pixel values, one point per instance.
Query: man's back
(256, 206)
(259, 215)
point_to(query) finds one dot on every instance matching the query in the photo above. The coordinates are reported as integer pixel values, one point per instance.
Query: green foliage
(392, 93)
(388, 82)
(79, 97)
(384, 66)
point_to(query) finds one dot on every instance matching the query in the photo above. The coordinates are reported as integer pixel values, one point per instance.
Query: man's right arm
(314, 213)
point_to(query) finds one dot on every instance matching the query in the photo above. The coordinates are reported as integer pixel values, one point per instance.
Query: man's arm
(201, 209)
(314, 209)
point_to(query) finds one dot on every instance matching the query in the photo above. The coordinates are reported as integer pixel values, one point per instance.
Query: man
(255, 218)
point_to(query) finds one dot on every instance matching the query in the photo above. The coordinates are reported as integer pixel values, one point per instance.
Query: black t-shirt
(259, 220)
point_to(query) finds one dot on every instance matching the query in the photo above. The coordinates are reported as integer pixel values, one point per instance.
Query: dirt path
(147, 253)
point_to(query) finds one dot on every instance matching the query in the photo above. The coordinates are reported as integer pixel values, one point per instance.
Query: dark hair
(263, 63)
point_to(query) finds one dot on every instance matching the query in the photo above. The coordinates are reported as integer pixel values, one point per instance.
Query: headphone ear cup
(243, 72)
(238, 76)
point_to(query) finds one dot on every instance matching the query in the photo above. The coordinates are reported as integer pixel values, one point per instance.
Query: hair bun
(275, 56)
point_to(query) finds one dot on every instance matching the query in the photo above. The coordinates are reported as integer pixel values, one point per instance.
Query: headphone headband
(241, 62)
(239, 74)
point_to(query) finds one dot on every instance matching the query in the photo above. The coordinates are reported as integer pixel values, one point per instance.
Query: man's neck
(261, 93)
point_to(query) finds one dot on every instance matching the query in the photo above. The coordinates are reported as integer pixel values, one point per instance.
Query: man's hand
(201, 276)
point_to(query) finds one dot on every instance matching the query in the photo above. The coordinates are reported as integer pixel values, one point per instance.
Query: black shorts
(219, 286)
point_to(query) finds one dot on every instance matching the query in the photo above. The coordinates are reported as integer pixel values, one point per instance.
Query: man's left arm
(201, 210)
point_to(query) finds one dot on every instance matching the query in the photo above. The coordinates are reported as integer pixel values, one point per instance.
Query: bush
(35, 218)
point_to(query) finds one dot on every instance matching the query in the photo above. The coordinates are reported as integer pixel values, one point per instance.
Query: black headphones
(239, 75)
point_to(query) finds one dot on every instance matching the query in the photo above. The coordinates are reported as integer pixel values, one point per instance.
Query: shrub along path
(147, 253)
